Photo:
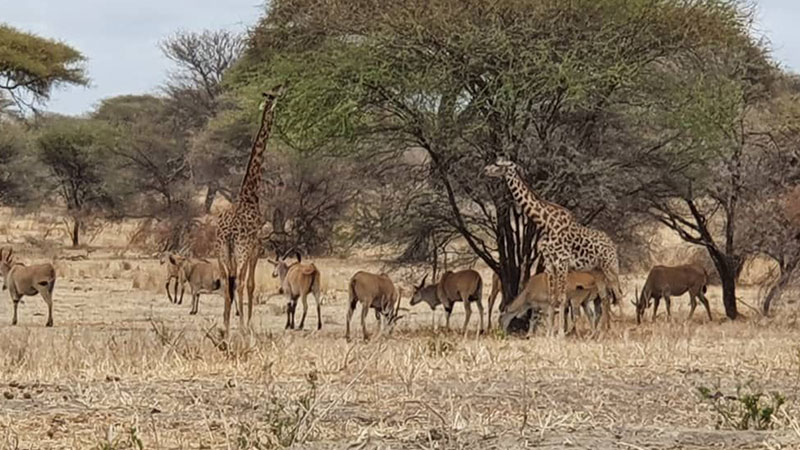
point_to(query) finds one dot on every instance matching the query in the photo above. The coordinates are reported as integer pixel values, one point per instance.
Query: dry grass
(123, 368)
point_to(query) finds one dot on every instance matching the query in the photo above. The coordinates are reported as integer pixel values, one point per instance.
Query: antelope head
(394, 313)
(418, 292)
(6, 261)
(280, 266)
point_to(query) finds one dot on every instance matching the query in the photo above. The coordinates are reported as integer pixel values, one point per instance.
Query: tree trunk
(76, 230)
(211, 195)
(727, 274)
(787, 271)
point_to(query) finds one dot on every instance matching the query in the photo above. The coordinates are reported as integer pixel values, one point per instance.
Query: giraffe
(566, 245)
(239, 227)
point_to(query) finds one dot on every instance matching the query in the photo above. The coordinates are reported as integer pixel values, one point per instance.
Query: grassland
(124, 367)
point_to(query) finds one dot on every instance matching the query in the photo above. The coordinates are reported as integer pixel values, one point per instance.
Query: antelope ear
(172, 260)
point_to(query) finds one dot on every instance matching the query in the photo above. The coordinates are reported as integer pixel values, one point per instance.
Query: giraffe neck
(252, 182)
(541, 212)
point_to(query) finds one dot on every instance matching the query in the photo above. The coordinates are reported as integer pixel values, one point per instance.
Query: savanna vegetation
(637, 116)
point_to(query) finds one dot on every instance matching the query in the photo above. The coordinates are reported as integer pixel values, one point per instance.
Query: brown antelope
(173, 262)
(297, 281)
(665, 281)
(582, 287)
(463, 286)
(376, 292)
(22, 280)
(203, 278)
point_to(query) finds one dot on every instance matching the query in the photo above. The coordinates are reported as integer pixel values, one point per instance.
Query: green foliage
(17, 171)
(74, 151)
(148, 154)
(745, 410)
(569, 90)
(34, 65)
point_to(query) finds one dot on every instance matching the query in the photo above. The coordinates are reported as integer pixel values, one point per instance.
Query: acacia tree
(771, 217)
(147, 153)
(699, 181)
(72, 150)
(31, 66)
(548, 84)
(194, 93)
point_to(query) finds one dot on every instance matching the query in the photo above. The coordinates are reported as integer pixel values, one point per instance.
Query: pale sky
(120, 37)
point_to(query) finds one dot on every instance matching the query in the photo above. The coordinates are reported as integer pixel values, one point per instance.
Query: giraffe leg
(251, 289)
(558, 294)
(240, 295)
(229, 284)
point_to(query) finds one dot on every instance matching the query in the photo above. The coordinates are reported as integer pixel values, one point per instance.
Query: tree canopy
(31, 66)
(566, 89)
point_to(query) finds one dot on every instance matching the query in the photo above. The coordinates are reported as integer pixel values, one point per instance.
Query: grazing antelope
(464, 286)
(21, 280)
(203, 278)
(581, 288)
(297, 281)
(173, 263)
(665, 281)
(376, 292)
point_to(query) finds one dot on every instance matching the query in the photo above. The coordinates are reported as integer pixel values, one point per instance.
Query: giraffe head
(501, 168)
(271, 97)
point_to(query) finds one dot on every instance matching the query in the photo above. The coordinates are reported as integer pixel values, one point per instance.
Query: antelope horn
(289, 252)
(399, 300)
(635, 301)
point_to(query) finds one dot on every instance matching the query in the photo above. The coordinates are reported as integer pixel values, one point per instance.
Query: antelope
(297, 281)
(22, 280)
(665, 281)
(173, 263)
(203, 278)
(464, 286)
(581, 288)
(376, 292)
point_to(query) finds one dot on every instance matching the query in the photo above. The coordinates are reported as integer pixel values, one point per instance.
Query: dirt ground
(124, 368)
